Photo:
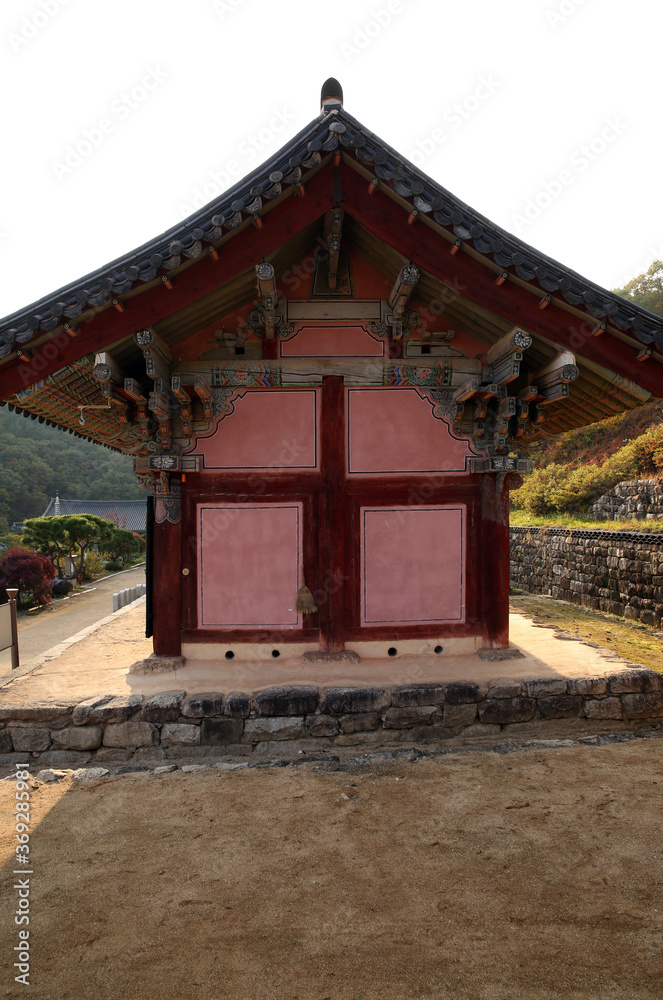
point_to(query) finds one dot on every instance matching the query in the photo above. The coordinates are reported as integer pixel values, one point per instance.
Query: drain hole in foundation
(230, 655)
(275, 653)
(438, 649)
(392, 651)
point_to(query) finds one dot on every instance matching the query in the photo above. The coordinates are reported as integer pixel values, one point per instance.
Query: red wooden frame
(331, 509)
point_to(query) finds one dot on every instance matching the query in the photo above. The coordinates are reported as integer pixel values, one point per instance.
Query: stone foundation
(292, 719)
(618, 572)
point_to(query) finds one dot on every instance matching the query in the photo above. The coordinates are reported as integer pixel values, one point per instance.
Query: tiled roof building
(127, 514)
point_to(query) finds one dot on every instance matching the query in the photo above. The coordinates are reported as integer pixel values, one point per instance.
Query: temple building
(329, 379)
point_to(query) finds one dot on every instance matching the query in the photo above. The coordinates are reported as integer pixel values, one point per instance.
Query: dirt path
(63, 619)
(527, 876)
(630, 640)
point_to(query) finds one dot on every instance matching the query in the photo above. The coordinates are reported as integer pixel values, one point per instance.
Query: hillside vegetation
(38, 460)
(572, 471)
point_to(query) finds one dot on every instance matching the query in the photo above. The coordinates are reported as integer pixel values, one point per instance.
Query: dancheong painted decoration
(329, 379)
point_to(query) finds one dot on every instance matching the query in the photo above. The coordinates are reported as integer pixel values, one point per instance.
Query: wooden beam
(514, 342)
(560, 371)
(471, 279)
(184, 399)
(333, 229)
(157, 354)
(495, 561)
(204, 394)
(106, 370)
(403, 288)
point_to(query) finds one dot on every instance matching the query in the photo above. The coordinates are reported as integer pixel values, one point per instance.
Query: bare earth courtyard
(477, 875)
(461, 872)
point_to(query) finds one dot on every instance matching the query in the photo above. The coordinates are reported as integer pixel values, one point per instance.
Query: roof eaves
(326, 134)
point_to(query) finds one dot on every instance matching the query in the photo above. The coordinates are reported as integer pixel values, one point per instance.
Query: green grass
(521, 519)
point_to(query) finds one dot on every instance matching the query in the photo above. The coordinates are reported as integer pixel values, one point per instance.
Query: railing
(9, 626)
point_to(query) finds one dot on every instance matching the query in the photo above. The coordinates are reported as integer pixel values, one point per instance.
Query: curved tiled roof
(331, 132)
(128, 514)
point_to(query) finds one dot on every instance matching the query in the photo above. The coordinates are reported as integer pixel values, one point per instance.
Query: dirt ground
(479, 876)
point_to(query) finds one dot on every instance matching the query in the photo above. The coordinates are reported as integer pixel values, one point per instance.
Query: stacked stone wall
(637, 498)
(172, 726)
(618, 572)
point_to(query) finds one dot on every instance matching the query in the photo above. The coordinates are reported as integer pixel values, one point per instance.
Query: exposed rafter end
(412, 216)
(645, 353)
(455, 247)
(599, 329)
(106, 370)
(70, 329)
(257, 221)
(214, 254)
(373, 186)
(166, 282)
(22, 353)
(501, 278)
(118, 305)
(403, 288)
(545, 301)
(300, 190)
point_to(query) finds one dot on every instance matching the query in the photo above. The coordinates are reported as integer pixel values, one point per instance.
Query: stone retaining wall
(171, 725)
(639, 498)
(618, 572)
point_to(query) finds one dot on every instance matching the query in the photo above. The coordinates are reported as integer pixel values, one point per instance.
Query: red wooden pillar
(332, 514)
(495, 561)
(167, 569)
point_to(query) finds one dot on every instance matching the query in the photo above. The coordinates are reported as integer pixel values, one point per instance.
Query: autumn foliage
(30, 572)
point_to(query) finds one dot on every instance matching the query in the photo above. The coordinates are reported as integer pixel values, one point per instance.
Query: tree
(37, 460)
(646, 290)
(49, 535)
(122, 545)
(31, 572)
(84, 529)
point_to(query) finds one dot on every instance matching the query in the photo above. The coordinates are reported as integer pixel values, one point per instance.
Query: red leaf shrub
(31, 572)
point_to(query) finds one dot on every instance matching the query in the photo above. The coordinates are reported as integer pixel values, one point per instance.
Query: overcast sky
(120, 117)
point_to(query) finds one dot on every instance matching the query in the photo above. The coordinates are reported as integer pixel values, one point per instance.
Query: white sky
(556, 75)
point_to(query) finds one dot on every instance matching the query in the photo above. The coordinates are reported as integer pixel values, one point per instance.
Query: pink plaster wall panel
(413, 565)
(249, 564)
(394, 430)
(266, 430)
(332, 342)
